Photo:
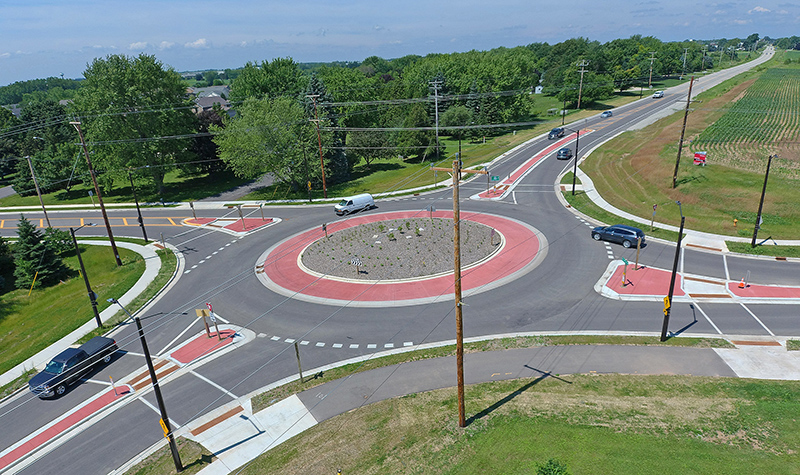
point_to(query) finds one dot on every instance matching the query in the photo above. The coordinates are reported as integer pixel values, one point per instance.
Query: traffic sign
(495, 178)
(164, 427)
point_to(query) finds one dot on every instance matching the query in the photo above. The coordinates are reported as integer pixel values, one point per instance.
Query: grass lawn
(592, 423)
(30, 324)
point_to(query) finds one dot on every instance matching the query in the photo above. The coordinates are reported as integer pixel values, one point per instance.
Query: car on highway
(658, 94)
(564, 153)
(556, 133)
(68, 366)
(619, 233)
(606, 114)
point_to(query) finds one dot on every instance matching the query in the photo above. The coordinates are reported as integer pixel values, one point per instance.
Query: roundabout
(516, 248)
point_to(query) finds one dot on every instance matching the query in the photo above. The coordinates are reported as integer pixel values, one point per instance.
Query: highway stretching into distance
(558, 295)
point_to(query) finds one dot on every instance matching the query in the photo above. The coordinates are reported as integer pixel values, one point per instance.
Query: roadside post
(299, 366)
(203, 313)
(239, 207)
(113, 386)
(325, 229)
(261, 207)
(625, 273)
(357, 262)
(638, 247)
(213, 320)
(91, 195)
(191, 205)
(653, 218)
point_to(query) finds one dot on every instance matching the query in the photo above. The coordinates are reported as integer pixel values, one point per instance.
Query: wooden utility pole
(683, 131)
(313, 98)
(77, 126)
(38, 191)
(581, 65)
(652, 58)
(456, 171)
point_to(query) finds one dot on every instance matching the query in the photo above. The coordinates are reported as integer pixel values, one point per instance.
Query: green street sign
(495, 178)
(625, 261)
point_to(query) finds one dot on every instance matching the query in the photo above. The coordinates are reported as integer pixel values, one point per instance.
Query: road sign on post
(667, 305)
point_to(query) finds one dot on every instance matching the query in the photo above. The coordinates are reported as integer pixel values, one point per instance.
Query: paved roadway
(558, 295)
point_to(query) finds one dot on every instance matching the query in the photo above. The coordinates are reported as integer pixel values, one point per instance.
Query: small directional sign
(495, 178)
(356, 262)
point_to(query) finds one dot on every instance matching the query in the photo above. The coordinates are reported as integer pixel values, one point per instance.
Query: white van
(354, 203)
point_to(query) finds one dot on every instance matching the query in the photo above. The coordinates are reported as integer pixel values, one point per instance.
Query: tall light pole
(77, 126)
(138, 211)
(92, 295)
(165, 424)
(761, 203)
(683, 131)
(668, 301)
(575, 164)
(38, 191)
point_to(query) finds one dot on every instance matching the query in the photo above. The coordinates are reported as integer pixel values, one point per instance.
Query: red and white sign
(700, 158)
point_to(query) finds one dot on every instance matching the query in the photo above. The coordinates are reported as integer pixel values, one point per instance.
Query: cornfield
(761, 122)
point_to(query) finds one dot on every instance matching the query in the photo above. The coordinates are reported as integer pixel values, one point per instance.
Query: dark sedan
(556, 133)
(564, 153)
(618, 233)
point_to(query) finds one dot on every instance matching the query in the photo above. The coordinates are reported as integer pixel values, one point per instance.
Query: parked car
(69, 365)
(606, 114)
(564, 153)
(618, 233)
(556, 133)
(658, 94)
(354, 203)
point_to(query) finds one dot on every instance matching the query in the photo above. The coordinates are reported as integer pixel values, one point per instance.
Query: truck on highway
(69, 365)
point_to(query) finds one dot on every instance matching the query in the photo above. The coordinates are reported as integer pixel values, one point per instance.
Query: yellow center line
(171, 221)
(125, 220)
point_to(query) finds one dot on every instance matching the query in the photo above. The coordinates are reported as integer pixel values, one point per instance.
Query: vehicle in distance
(658, 94)
(564, 153)
(354, 203)
(606, 114)
(69, 365)
(618, 233)
(556, 133)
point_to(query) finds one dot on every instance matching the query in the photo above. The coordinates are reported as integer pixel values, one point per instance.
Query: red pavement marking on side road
(63, 425)
(516, 174)
(250, 224)
(199, 221)
(202, 345)
(281, 267)
(764, 291)
(645, 281)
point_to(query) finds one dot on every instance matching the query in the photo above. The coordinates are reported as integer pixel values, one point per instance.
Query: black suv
(556, 133)
(618, 233)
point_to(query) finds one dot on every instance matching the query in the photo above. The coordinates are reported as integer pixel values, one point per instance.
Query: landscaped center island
(399, 249)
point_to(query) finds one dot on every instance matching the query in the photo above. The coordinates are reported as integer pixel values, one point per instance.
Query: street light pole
(668, 308)
(138, 211)
(575, 165)
(176, 457)
(761, 203)
(92, 295)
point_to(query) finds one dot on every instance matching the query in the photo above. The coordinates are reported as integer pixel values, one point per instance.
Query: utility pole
(761, 203)
(435, 84)
(456, 171)
(313, 98)
(38, 191)
(77, 126)
(703, 61)
(92, 295)
(581, 65)
(652, 58)
(683, 131)
(685, 53)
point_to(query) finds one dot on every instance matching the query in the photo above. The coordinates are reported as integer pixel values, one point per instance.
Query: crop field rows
(761, 122)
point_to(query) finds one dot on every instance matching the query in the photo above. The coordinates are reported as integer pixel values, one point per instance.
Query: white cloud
(759, 10)
(5, 55)
(200, 43)
(166, 45)
(139, 45)
(741, 22)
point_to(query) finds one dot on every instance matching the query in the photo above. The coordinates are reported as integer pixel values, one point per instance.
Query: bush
(552, 467)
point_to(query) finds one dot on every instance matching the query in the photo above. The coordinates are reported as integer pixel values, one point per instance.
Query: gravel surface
(399, 249)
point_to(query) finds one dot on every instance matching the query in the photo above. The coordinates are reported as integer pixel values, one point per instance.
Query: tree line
(140, 124)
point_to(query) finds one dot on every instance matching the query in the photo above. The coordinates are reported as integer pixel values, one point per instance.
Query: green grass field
(28, 324)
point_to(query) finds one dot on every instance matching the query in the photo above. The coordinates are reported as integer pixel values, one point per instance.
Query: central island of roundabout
(502, 249)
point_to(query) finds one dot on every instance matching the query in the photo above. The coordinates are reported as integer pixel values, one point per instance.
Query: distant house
(206, 97)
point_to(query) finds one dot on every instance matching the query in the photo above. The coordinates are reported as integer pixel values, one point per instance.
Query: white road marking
(757, 319)
(214, 384)
(706, 316)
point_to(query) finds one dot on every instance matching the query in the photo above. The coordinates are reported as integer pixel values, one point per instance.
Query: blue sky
(47, 38)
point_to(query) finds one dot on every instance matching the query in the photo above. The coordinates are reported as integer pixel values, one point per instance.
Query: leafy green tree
(6, 262)
(129, 103)
(35, 258)
(270, 136)
(280, 77)
(203, 146)
(552, 467)
(335, 158)
(456, 116)
(416, 142)
(368, 146)
(23, 182)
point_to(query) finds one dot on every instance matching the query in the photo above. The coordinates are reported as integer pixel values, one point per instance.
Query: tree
(456, 116)
(203, 146)
(130, 103)
(319, 107)
(270, 136)
(35, 258)
(368, 146)
(281, 77)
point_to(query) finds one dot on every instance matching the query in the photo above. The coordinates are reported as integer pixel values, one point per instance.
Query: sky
(43, 38)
